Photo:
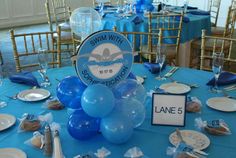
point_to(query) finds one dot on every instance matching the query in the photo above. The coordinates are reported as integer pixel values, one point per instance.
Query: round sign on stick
(104, 57)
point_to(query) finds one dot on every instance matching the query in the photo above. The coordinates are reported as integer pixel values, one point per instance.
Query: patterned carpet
(7, 50)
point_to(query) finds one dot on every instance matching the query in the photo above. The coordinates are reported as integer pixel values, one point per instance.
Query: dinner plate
(33, 94)
(12, 153)
(175, 88)
(196, 139)
(139, 79)
(6, 121)
(222, 103)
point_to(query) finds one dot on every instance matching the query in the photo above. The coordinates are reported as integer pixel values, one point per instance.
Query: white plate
(12, 153)
(140, 80)
(6, 121)
(33, 95)
(196, 139)
(175, 88)
(222, 104)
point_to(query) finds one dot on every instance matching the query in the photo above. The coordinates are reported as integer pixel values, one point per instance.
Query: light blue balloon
(116, 128)
(133, 109)
(129, 88)
(97, 100)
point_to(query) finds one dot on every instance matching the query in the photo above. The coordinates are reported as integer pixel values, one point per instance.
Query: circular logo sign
(104, 57)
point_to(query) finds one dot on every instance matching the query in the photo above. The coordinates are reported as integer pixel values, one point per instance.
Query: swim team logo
(104, 57)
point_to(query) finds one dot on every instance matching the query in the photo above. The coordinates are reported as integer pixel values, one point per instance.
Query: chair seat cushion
(65, 26)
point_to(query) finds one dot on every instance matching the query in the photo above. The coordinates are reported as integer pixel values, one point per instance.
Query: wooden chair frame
(225, 46)
(95, 3)
(214, 8)
(172, 23)
(137, 40)
(30, 45)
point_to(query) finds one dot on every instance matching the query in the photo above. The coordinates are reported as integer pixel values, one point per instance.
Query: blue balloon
(147, 1)
(70, 88)
(130, 89)
(81, 126)
(116, 128)
(97, 100)
(133, 109)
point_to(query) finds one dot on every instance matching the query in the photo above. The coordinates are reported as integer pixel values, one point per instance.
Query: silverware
(227, 95)
(230, 87)
(193, 85)
(171, 72)
(14, 97)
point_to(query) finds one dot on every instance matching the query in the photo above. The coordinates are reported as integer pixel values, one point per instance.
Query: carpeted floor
(7, 50)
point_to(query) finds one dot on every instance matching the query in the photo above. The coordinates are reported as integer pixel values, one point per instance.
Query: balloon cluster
(113, 112)
(142, 5)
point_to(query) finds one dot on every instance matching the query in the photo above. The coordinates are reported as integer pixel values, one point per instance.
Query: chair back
(230, 22)
(171, 26)
(220, 44)
(214, 8)
(60, 14)
(25, 48)
(139, 40)
(95, 3)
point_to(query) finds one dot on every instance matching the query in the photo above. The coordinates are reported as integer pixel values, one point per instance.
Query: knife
(171, 72)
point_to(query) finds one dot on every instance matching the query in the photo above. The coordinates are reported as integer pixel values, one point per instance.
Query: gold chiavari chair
(226, 46)
(139, 40)
(25, 48)
(95, 3)
(61, 14)
(228, 32)
(214, 8)
(171, 26)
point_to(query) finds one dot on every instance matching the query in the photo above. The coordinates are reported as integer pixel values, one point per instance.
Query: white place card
(168, 109)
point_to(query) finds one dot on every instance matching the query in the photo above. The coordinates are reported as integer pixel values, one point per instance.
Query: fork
(194, 85)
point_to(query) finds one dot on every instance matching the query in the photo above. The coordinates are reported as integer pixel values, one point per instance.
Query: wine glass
(217, 66)
(2, 103)
(43, 64)
(160, 59)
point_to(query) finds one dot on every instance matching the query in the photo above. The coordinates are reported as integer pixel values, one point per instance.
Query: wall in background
(23, 12)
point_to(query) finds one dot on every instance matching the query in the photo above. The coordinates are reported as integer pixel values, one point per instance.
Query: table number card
(168, 109)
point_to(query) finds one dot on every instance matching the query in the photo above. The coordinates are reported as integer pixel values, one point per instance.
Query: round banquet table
(191, 29)
(152, 140)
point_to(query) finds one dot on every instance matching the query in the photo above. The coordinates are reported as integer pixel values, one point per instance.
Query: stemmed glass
(43, 64)
(2, 103)
(217, 66)
(160, 59)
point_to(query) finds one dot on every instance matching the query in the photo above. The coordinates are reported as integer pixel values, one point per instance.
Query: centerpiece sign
(104, 57)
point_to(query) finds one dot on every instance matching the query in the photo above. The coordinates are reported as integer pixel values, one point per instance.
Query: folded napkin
(26, 78)
(225, 78)
(153, 67)
(199, 12)
(137, 20)
(185, 18)
(190, 7)
(132, 76)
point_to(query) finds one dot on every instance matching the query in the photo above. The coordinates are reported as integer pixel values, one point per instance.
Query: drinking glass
(160, 59)
(43, 64)
(217, 66)
(2, 103)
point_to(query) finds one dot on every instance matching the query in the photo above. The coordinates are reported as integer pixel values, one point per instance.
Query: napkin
(153, 67)
(185, 19)
(137, 20)
(225, 78)
(199, 12)
(190, 7)
(26, 78)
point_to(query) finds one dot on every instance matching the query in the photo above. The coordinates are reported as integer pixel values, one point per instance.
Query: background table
(153, 140)
(190, 30)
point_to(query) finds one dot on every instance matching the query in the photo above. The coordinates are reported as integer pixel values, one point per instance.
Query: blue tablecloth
(190, 30)
(153, 140)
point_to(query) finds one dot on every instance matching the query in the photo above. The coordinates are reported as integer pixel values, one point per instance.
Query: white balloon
(85, 21)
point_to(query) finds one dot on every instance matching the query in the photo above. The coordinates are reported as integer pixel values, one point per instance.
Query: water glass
(43, 64)
(217, 66)
(185, 6)
(160, 59)
(2, 103)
